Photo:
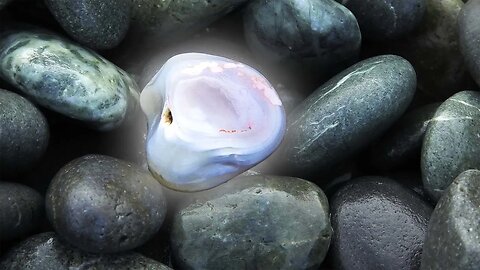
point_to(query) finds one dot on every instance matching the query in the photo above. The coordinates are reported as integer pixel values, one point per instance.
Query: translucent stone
(210, 119)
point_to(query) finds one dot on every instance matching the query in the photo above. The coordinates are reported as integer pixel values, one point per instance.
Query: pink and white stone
(210, 119)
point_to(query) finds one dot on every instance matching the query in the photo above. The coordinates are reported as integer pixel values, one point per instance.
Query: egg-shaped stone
(210, 118)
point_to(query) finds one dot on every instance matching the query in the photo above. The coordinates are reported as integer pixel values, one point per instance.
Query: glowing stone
(209, 119)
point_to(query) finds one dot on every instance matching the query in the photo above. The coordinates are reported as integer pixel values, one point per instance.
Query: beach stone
(255, 222)
(98, 24)
(66, 78)
(469, 35)
(450, 144)
(452, 240)
(47, 251)
(104, 205)
(346, 114)
(377, 224)
(24, 134)
(321, 34)
(402, 144)
(21, 211)
(382, 20)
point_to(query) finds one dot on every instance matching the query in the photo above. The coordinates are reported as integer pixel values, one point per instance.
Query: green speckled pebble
(451, 143)
(67, 78)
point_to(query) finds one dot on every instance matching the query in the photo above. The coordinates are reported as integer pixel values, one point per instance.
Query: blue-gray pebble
(451, 144)
(24, 134)
(452, 240)
(346, 114)
(66, 78)
(98, 24)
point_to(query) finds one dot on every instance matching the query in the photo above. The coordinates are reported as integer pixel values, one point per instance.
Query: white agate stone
(210, 119)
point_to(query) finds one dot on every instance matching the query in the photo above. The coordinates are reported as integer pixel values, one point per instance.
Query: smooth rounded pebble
(66, 78)
(256, 222)
(104, 205)
(21, 211)
(451, 144)
(346, 114)
(98, 24)
(382, 20)
(403, 142)
(320, 33)
(47, 252)
(469, 36)
(24, 134)
(377, 224)
(452, 240)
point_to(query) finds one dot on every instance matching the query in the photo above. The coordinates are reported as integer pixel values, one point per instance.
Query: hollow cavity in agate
(209, 119)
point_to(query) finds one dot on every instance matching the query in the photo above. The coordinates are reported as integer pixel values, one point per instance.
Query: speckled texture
(67, 78)
(382, 20)
(98, 24)
(321, 33)
(434, 51)
(105, 205)
(21, 211)
(469, 36)
(24, 134)
(453, 234)
(403, 142)
(46, 252)
(256, 222)
(346, 113)
(170, 20)
(451, 142)
(377, 224)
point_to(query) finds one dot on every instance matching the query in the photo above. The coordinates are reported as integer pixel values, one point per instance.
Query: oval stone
(452, 240)
(377, 224)
(256, 222)
(99, 24)
(469, 37)
(24, 134)
(382, 20)
(346, 114)
(21, 211)
(451, 144)
(101, 204)
(46, 251)
(66, 78)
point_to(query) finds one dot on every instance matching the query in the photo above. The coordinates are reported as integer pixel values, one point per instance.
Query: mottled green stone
(66, 78)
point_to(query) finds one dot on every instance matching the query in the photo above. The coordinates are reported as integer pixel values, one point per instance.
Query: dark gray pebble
(24, 134)
(105, 205)
(453, 236)
(98, 24)
(255, 222)
(21, 211)
(377, 224)
(47, 252)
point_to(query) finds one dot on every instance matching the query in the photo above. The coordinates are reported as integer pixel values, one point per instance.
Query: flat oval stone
(403, 142)
(451, 145)
(320, 33)
(21, 211)
(382, 20)
(452, 240)
(347, 113)
(377, 224)
(66, 78)
(469, 37)
(256, 222)
(98, 24)
(46, 251)
(24, 134)
(104, 205)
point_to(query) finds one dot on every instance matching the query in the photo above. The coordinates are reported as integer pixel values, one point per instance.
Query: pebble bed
(379, 167)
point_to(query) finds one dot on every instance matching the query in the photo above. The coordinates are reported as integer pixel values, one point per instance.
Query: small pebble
(104, 205)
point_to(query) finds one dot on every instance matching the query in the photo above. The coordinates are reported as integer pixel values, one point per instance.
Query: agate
(209, 119)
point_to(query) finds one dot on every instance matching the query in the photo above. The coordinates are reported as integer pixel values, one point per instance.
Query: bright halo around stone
(210, 119)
